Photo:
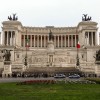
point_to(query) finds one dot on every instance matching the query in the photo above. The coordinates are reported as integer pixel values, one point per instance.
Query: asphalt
(4, 80)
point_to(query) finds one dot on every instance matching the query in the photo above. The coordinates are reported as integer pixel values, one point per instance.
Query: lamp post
(77, 63)
(25, 61)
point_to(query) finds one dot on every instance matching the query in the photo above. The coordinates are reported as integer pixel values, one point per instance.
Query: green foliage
(97, 80)
(57, 91)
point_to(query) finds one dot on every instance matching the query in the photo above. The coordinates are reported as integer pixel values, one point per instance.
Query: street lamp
(25, 62)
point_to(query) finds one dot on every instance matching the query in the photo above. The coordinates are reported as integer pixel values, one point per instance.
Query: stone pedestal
(97, 70)
(50, 47)
(7, 70)
(50, 51)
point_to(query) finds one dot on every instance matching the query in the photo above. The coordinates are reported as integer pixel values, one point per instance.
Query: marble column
(9, 34)
(30, 41)
(61, 40)
(3, 40)
(48, 38)
(37, 40)
(44, 41)
(7, 37)
(88, 39)
(55, 41)
(11, 38)
(65, 40)
(68, 40)
(41, 41)
(92, 37)
(58, 41)
(75, 40)
(23, 40)
(95, 38)
(34, 40)
(71, 40)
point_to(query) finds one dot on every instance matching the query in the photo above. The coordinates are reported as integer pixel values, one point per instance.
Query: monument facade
(50, 49)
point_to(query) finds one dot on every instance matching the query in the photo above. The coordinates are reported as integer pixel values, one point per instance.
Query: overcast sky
(50, 12)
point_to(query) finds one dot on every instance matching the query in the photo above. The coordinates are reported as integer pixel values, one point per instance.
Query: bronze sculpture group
(7, 55)
(86, 18)
(14, 18)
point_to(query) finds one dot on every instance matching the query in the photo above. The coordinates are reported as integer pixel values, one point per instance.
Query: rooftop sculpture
(86, 18)
(14, 18)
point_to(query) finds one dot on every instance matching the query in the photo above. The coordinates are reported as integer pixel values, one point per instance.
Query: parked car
(74, 76)
(59, 76)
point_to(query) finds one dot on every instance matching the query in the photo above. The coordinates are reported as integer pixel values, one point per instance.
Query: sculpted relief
(72, 61)
(30, 59)
(64, 60)
(40, 59)
(43, 59)
(61, 59)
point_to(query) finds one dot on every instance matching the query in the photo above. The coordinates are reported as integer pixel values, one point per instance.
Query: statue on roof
(9, 17)
(86, 18)
(14, 18)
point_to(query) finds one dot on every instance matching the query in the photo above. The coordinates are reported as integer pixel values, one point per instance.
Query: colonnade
(90, 38)
(9, 38)
(42, 40)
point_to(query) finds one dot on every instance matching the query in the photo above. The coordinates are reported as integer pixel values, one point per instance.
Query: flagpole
(25, 63)
(26, 43)
(78, 63)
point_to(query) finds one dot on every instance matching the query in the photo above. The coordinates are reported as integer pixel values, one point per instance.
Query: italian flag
(78, 45)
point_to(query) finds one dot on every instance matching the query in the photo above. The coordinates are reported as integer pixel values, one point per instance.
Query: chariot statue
(14, 18)
(86, 18)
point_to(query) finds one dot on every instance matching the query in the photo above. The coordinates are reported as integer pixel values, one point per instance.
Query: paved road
(3, 80)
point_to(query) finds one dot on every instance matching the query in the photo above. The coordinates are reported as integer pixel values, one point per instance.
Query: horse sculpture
(14, 18)
(86, 18)
(7, 55)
